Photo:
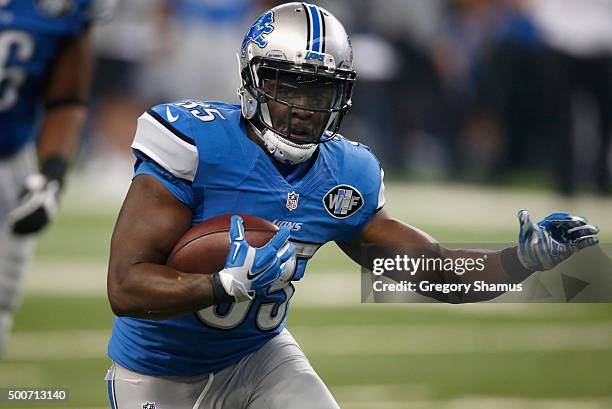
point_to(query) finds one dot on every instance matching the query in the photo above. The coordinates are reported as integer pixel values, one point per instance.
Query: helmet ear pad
(248, 103)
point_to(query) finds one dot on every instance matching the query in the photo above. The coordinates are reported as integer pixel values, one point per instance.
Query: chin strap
(283, 150)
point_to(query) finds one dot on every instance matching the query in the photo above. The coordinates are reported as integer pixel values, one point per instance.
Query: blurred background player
(45, 70)
(580, 71)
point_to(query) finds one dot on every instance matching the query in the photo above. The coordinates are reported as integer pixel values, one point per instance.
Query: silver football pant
(15, 251)
(277, 376)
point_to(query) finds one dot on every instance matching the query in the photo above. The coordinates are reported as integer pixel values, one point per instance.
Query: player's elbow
(118, 310)
(122, 307)
(117, 294)
(117, 300)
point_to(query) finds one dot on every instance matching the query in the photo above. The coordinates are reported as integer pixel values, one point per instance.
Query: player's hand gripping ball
(249, 270)
(547, 243)
(245, 254)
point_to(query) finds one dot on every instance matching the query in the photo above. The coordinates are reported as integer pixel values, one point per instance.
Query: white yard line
(70, 278)
(478, 402)
(453, 338)
(370, 340)
(414, 396)
(316, 290)
(34, 373)
(57, 345)
(486, 207)
(383, 392)
(417, 203)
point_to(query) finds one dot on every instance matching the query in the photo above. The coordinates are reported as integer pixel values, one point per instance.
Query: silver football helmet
(296, 70)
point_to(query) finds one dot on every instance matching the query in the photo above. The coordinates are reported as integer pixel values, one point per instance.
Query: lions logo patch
(256, 33)
(342, 201)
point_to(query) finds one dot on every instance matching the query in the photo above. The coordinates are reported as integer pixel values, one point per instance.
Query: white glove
(544, 245)
(37, 207)
(249, 270)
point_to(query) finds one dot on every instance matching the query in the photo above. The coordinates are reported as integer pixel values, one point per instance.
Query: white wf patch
(342, 201)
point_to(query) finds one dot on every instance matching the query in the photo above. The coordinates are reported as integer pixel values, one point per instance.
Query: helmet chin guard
(284, 150)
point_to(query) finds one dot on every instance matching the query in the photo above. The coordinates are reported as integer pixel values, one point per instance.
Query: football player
(45, 66)
(198, 341)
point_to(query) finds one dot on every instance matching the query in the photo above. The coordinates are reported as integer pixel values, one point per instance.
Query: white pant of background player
(277, 376)
(15, 251)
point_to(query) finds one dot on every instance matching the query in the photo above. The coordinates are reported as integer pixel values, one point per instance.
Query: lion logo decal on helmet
(262, 26)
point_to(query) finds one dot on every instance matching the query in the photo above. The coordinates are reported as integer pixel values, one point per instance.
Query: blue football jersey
(202, 154)
(30, 34)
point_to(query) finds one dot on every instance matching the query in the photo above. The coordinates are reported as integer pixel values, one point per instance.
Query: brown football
(203, 249)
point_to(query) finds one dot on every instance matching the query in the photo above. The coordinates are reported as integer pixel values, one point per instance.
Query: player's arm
(540, 248)
(65, 111)
(65, 99)
(139, 284)
(157, 213)
(388, 235)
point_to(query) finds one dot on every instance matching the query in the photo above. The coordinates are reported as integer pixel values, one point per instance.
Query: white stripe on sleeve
(178, 157)
(381, 191)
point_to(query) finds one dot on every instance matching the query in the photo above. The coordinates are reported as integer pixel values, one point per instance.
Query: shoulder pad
(192, 114)
(359, 159)
(164, 135)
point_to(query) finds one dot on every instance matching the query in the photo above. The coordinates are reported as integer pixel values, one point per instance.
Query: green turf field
(371, 356)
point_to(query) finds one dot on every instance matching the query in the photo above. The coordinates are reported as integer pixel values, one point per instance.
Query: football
(204, 248)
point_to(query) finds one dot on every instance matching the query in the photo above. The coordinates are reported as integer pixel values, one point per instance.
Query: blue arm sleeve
(180, 188)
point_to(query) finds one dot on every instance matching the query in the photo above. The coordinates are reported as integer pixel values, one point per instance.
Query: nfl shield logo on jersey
(149, 405)
(292, 200)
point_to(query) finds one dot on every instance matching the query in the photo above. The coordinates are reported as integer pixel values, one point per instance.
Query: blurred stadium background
(476, 108)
